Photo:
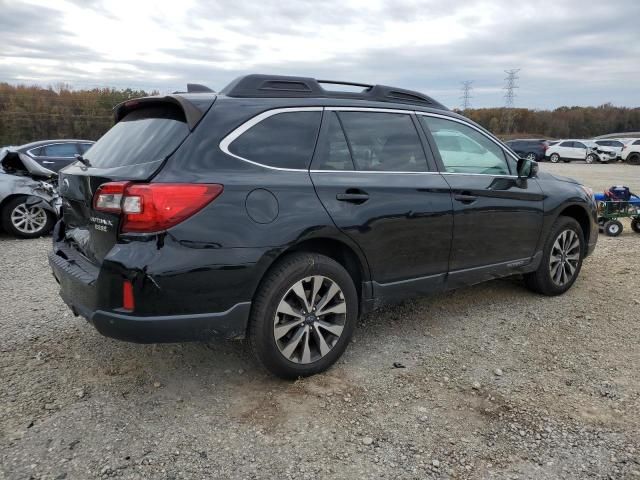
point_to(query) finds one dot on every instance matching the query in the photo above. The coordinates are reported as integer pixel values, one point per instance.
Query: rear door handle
(353, 196)
(463, 198)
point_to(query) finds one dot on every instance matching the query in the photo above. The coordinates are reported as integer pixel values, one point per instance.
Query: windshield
(144, 135)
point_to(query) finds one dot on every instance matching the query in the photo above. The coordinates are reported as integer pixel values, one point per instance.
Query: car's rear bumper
(78, 289)
(171, 328)
(186, 295)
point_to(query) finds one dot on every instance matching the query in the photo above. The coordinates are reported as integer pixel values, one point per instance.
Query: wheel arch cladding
(579, 214)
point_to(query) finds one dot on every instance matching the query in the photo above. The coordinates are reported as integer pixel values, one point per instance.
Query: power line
(466, 94)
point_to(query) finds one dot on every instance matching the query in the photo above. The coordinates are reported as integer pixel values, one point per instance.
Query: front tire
(635, 224)
(590, 158)
(561, 259)
(554, 158)
(26, 222)
(532, 157)
(303, 315)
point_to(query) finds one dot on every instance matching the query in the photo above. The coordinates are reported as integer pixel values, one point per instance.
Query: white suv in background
(631, 151)
(612, 144)
(586, 150)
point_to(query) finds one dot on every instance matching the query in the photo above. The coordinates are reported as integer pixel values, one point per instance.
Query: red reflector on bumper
(128, 302)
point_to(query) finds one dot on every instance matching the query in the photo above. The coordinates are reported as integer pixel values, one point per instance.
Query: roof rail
(281, 86)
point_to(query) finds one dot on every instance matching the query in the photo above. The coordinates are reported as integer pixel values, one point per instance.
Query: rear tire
(310, 340)
(561, 259)
(635, 224)
(613, 228)
(26, 222)
(633, 159)
(554, 158)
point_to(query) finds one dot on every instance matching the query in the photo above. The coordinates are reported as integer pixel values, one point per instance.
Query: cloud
(568, 54)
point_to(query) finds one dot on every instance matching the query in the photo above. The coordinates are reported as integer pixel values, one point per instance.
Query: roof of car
(287, 91)
(528, 140)
(281, 86)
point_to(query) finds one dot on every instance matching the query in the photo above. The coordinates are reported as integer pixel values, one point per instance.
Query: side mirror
(527, 168)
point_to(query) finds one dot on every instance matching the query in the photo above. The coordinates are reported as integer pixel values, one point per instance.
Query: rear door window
(83, 147)
(144, 135)
(283, 140)
(64, 150)
(383, 142)
(464, 149)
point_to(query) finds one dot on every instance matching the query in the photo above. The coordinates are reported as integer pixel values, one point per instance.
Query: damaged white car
(29, 200)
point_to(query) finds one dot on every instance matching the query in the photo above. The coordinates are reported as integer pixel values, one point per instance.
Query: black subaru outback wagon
(281, 210)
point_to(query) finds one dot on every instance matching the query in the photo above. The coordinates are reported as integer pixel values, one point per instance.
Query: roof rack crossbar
(280, 86)
(366, 86)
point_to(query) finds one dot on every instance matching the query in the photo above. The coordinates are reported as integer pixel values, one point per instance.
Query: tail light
(545, 146)
(153, 207)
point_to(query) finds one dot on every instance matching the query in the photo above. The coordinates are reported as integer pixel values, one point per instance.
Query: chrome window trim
(413, 173)
(374, 171)
(369, 109)
(228, 140)
(48, 145)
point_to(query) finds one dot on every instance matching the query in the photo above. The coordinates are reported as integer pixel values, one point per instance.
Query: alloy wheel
(531, 157)
(309, 319)
(28, 220)
(565, 257)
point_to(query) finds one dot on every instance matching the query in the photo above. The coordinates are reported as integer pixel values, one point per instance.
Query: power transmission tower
(466, 94)
(509, 96)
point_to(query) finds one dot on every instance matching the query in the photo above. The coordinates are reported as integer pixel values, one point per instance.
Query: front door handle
(353, 195)
(463, 198)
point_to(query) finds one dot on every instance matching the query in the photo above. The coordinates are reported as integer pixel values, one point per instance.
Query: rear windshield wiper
(83, 160)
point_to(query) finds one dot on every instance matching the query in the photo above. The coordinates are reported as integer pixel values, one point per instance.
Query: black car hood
(561, 178)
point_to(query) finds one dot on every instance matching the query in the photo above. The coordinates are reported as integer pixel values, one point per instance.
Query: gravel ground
(497, 383)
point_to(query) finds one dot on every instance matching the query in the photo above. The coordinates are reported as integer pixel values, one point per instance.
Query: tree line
(29, 113)
(563, 122)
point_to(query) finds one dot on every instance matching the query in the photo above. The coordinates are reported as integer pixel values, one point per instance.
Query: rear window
(284, 140)
(67, 150)
(83, 147)
(144, 135)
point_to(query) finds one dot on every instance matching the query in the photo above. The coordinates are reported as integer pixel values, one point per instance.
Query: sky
(569, 52)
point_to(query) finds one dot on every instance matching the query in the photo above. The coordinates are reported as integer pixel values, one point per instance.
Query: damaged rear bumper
(171, 306)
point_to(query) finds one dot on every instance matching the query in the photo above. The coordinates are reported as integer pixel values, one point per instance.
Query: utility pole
(466, 94)
(509, 96)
